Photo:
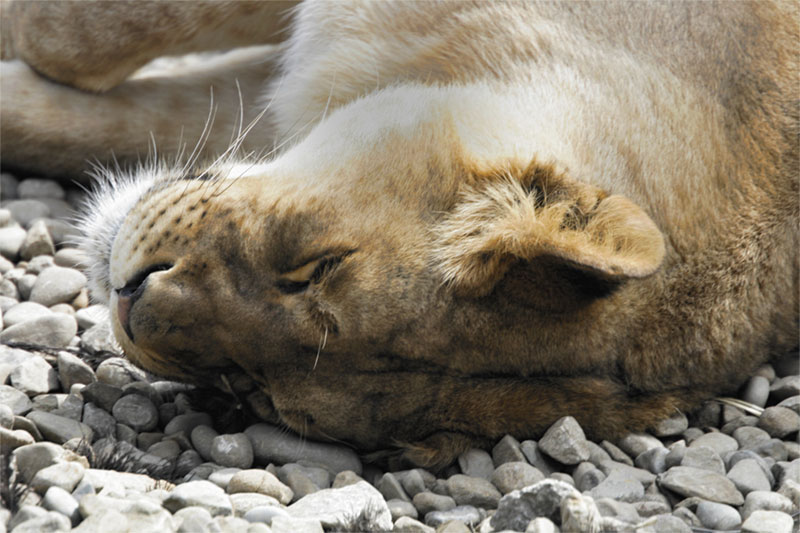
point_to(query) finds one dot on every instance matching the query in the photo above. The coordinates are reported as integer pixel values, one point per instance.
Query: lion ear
(539, 214)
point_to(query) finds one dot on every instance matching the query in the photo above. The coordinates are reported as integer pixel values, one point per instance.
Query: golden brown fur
(487, 216)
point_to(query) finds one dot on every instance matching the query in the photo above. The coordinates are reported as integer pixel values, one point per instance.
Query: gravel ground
(90, 443)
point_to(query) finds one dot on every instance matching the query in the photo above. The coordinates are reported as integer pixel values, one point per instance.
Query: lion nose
(126, 297)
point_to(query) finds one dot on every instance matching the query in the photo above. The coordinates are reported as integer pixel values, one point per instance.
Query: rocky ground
(91, 444)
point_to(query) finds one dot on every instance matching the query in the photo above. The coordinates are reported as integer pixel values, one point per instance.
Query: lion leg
(55, 130)
(96, 45)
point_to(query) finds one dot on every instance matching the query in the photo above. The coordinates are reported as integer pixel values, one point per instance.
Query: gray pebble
(264, 514)
(166, 449)
(59, 429)
(11, 239)
(515, 475)
(274, 445)
(541, 525)
(766, 501)
(100, 421)
(293, 524)
(688, 481)
(507, 451)
(39, 263)
(467, 514)
(792, 402)
(674, 425)
(704, 458)
(55, 330)
(144, 389)
(587, 476)
(425, 502)
(6, 416)
(71, 258)
(768, 522)
(72, 370)
(653, 460)
(565, 442)
(50, 523)
(56, 285)
(391, 489)
(642, 476)
(413, 482)
(779, 421)
(25, 285)
(406, 524)
(201, 494)
(136, 411)
(623, 511)
(750, 437)
(563, 477)
(261, 481)
(719, 442)
(202, 436)
(222, 478)
(65, 475)
(518, 508)
(634, 444)
(335, 508)
(718, 515)
(187, 461)
(193, 520)
(10, 358)
(774, 449)
(11, 439)
(92, 315)
(61, 501)
(615, 453)
(187, 422)
(8, 290)
(651, 508)
(23, 312)
(748, 476)
(618, 486)
(478, 492)
(37, 242)
(102, 394)
(71, 407)
(20, 422)
(34, 376)
(785, 387)
(232, 450)
(756, 391)
(476, 463)
(400, 508)
(39, 188)
(118, 372)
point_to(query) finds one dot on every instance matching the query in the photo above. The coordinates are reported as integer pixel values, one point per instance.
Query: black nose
(130, 293)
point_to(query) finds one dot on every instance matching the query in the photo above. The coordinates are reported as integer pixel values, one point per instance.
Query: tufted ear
(537, 213)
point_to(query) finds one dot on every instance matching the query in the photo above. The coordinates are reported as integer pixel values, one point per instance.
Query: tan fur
(480, 216)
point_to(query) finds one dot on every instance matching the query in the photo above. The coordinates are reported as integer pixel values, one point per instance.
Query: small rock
(466, 514)
(262, 482)
(92, 315)
(56, 285)
(581, 514)
(400, 508)
(507, 451)
(642, 476)
(536, 458)
(166, 449)
(202, 494)
(59, 429)
(102, 394)
(688, 481)
(674, 425)
(618, 486)
(426, 502)
(264, 513)
(16, 400)
(55, 330)
(779, 421)
(71, 258)
(756, 391)
(748, 476)
(615, 453)
(6, 416)
(37, 242)
(117, 372)
(565, 442)
(652, 460)
(406, 524)
(193, 519)
(473, 491)
(24, 311)
(718, 516)
(65, 475)
(704, 458)
(274, 445)
(750, 437)
(11, 239)
(768, 522)
(99, 339)
(34, 376)
(719, 442)
(232, 450)
(476, 463)
(587, 476)
(11, 439)
(136, 411)
(335, 508)
(390, 488)
(515, 475)
(293, 524)
(518, 508)
(101, 423)
(72, 370)
(202, 436)
(40, 188)
(785, 387)
(634, 444)
(221, 477)
(413, 482)
(50, 523)
(187, 422)
(61, 501)
(101, 479)
(758, 500)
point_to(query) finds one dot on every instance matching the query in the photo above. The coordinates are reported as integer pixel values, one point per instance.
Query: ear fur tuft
(536, 213)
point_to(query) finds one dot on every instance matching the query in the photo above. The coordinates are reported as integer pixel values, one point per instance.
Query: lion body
(480, 216)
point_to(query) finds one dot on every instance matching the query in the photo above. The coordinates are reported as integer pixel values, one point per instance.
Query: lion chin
(477, 217)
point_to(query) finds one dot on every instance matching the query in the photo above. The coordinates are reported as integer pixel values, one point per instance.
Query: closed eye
(313, 271)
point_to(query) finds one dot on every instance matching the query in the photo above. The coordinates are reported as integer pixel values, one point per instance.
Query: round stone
(137, 412)
(232, 450)
(37, 242)
(59, 500)
(71, 258)
(768, 522)
(565, 442)
(34, 376)
(59, 429)
(473, 491)
(24, 311)
(476, 463)
(779, 421)
(201, 494)
(718, 515)
(72, 370)
(515, 475)
(56, 285)
(118, 372)
(262, 482)
(65, 475)
(756, 391)
(425, 502)
(11, 239)
(55, 330)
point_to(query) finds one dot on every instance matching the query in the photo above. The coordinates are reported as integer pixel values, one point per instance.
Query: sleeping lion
(420, 226)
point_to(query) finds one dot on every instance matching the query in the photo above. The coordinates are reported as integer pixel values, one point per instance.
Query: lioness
(478, 217)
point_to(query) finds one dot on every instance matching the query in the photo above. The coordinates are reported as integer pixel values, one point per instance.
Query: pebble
(565, 442)
(473, 491)
(18, 401)
(37, 241)
(719, 442)
(11, 239)
(674, 425)
(59, 429)
(406, 524)
(242, 502)
(391, 488)
(618, 486)
(515, 475)
(785, 387)
(507, 450)
(779, 422)
(274, 445)
(425, 502)
(262, 482)
(166, 449)
(519, 507)
(400, 508)
(71, 258)
(756, 391)
(221, 476)
(11, 439)
(535, 457)
(758, 500)
(476, 463)
(750, 437)
(187, 422)
(718, 515)
(99, 338)
(587, 476)
(72, 370)
(704, 458)
(202, 436)
(55, 330)
(615, 453)
(65, 475)
(264, 513)
(102, 394)
(466, 514)
(232, 450)
(40, 188)
(293, 524)
(635, 444)
(688, 481)
(34, 376)
(768, 522)
(92, 315)
(652, 460)
(6, 416)
(56, 285)
(748, 476)
(202, 494)
(51, 522)
(59, 500)
(413, 482)
(335, 508)
(23, 312)
(136, 411)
